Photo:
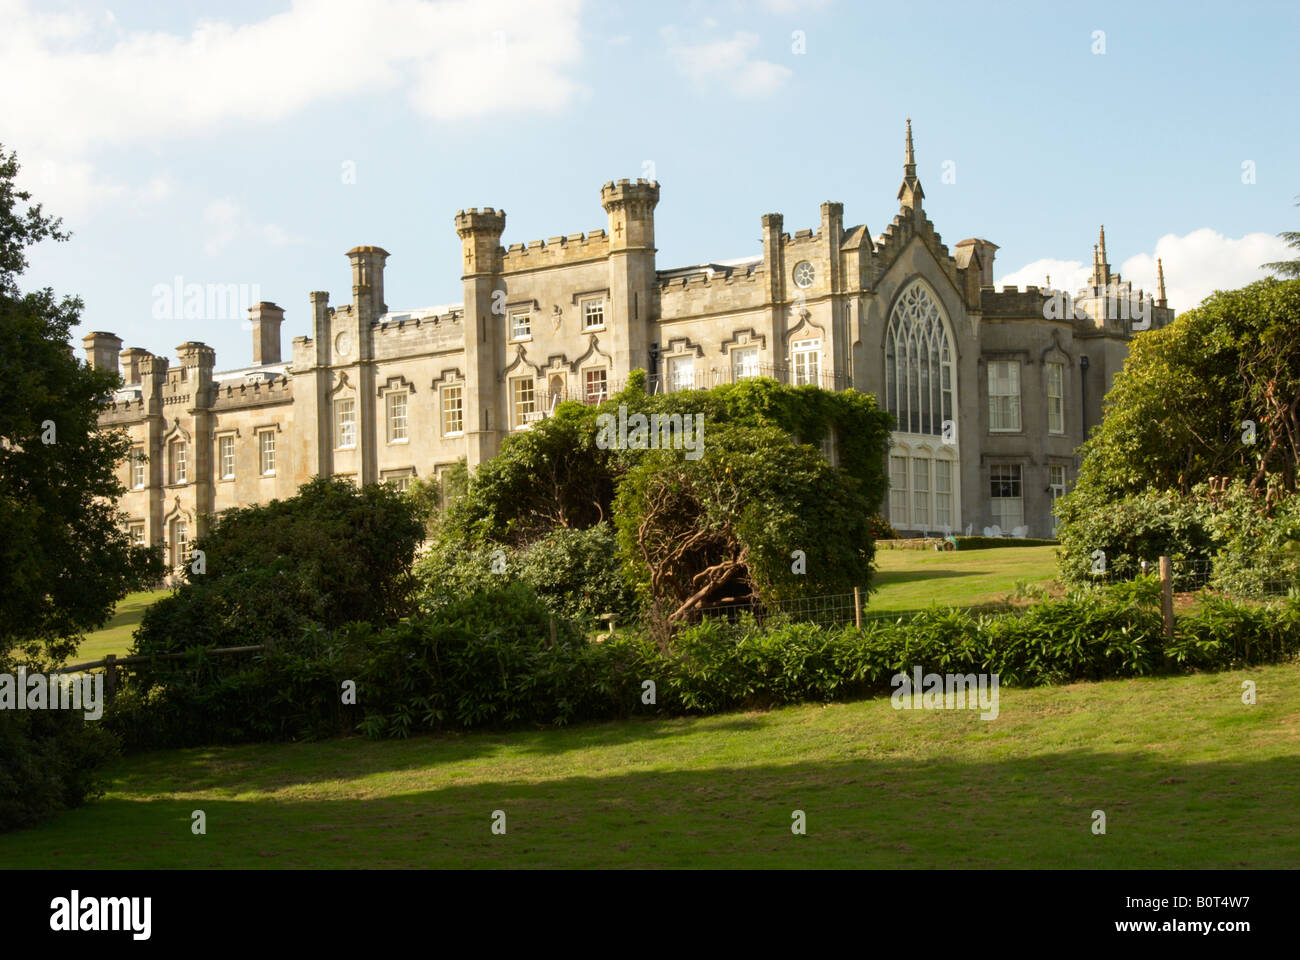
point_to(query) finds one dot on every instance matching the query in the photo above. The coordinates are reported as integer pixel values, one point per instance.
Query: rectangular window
(943, 494)
(807, 361)
(453, 410)
(1056, 398)
(1056, 483)
(226, 456)
(898, 490)
(1006, 495)
(266, 452)
(1004, 396)
(401, 479)
(921, 492)
(681, 374)
(136, 533)
(345, 423)
(595, 385)
(137, 468)
(180, 542)
(397, 417)
(523, 400)
(593, 313)
(180, 470)
(744, 363)
(521, 325)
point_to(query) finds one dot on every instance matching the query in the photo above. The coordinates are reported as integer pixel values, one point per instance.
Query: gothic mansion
(992, 391)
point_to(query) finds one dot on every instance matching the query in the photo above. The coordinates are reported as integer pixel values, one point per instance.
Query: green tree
(757, 516)
(328, 555)
(1216, 394)
(65, 559)
(1287, 268)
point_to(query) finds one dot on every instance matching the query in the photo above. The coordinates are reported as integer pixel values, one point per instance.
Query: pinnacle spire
(1100, 267)
(1161, 299)
(910, 193)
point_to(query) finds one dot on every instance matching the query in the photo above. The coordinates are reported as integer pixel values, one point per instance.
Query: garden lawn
(1187, 775)
(116, 635)
(915, 579)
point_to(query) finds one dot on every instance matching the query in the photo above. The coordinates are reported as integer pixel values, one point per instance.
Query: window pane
(397, 416)
(920, 492)
(452, 410)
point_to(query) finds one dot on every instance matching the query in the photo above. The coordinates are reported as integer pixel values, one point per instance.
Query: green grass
(115, 636)
(1188, 776)
(912, 579)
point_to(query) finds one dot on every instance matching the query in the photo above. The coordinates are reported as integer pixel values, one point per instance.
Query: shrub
(1136, 528)
(50, 760)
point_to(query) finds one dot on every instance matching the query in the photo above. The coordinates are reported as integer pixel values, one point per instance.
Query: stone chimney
(102, 349)
(132, 358)
(266, 318)
(985, 250)
(368, 281)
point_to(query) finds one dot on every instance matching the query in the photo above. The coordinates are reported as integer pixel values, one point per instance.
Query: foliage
(993, 543)
(731, 521)
(1176, 414)
(1134, 528)
(488, 661)
(433, 496)
(65, 559)
(327, 555)
(1287, 268)
(1257, 543)
(49, 761)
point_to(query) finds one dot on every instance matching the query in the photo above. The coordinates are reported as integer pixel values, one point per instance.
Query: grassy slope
(115, 636)
(1188, 777)
(909, 579)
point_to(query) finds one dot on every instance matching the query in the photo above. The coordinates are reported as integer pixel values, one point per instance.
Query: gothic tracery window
(918, 363)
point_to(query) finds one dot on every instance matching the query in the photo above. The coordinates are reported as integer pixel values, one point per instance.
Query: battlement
(556, 251)
(626, 191)
(474, 220)
(229, 394)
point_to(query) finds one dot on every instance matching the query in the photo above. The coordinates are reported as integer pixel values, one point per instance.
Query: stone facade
(994, 389)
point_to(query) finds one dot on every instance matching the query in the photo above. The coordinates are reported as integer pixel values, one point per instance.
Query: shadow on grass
(864, 812)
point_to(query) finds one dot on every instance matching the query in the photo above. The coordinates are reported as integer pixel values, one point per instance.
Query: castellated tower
(480, 234)
(630, 208)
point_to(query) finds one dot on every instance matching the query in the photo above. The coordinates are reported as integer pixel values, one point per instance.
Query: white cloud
(1196, 265)
(226, 222)
(87, 83)
(726, 62)
(793, 6)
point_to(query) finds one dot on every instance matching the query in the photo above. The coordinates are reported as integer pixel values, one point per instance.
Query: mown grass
(115, 636)
(915, 579)
(1187, 775)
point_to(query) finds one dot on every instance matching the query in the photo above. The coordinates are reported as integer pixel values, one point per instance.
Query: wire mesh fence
(1193, 574)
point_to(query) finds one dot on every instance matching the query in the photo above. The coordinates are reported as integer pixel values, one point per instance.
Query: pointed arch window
(918, 363)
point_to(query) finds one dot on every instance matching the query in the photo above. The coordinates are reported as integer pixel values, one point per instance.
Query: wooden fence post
(857, 607)
(1167, 596)
(110, 676)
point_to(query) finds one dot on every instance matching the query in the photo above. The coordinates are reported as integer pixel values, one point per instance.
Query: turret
(480, 234)
(631, 210)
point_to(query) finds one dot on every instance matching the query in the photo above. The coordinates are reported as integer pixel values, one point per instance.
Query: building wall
(362, 353)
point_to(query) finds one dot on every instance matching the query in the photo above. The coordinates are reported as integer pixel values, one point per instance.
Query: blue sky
(213, 141)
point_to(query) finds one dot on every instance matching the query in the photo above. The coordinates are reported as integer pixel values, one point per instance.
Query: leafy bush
(50, 760)
(1136, 528)
(1259, 543)
(488, 660)
(328, 555)
(990, 543)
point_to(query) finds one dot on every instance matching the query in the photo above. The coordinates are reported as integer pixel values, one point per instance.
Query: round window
(804, 274)
(342, 344)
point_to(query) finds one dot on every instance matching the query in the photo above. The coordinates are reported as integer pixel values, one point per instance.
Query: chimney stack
(102, 349)
(132, 358)
(266, 318)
